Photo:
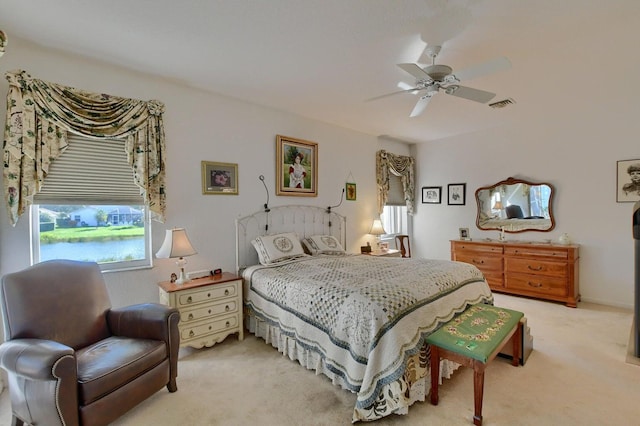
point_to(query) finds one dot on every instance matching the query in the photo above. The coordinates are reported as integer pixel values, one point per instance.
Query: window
(89, 208)
(394, 221)
(394, 215)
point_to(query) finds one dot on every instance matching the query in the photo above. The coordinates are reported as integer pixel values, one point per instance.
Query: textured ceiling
(323, 58)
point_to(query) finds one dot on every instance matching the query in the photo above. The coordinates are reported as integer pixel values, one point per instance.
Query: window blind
(395, 197)
(90, 171)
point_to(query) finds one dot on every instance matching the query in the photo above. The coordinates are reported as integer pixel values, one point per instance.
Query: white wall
(577, 155)
(204, 126)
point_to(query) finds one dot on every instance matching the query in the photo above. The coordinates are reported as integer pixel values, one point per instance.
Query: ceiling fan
(433, 78)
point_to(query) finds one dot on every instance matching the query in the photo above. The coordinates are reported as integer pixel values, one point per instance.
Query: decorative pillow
(323, 244)
(278, 248)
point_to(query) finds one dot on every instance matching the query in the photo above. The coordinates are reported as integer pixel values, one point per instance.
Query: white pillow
(278, 248)
(323, 244)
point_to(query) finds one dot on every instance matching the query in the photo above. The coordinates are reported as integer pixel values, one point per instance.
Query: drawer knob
(209, 311)
(535, 285)
(226, 292)
(227, 324)
(478, 262)
(191, 333)
(208, 294)
(209, 327)
(539, 268)
(190, 316)
(226, 308)
(189, 299)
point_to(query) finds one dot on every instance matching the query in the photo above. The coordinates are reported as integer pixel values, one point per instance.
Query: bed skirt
(394, 398)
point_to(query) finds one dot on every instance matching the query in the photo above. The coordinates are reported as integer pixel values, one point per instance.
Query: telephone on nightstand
(203, 273)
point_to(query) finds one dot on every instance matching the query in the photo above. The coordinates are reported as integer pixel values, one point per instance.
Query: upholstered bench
(473, 339)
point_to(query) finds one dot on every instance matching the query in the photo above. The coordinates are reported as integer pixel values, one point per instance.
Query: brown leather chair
(402, 244)
(73, 360)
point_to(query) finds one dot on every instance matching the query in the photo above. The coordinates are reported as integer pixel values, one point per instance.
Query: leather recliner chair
(73, 360)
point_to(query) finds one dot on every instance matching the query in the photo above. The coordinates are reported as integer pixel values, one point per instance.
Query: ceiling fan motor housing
(438, 72)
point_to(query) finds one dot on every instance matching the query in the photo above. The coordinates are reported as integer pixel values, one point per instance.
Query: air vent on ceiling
(503, 103)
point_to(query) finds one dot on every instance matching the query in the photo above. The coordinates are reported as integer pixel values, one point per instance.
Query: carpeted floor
(576, 375)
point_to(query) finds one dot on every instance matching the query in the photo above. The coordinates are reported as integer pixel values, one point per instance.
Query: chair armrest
(144, 321)
(33, 358)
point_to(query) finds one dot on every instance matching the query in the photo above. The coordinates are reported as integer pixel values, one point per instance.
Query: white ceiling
(323, 58)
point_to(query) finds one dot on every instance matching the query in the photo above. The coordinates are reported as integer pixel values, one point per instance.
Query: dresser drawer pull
(189, 299)
(209, 311)
(226, 292)
(478, 262)
(191, 333)
(208, 294)
(535, 285)
(226, 308)
(190, 317)
(227, 324)
(539, 268)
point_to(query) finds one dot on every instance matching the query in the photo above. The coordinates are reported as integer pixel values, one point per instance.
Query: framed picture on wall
(296, 167)
(431, 194)
(351, 191)
(456, 194)
(628, 181)
(219, 178)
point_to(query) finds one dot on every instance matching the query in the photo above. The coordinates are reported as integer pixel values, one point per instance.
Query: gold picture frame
(296, 167)
(219, 178)
(350, 189)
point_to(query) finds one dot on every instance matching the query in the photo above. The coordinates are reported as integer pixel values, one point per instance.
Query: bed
(360, 320)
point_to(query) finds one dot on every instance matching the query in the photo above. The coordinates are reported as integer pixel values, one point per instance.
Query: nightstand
(210, 308)
(385, 253)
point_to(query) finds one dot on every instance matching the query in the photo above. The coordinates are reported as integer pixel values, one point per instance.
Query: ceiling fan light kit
(434, 77)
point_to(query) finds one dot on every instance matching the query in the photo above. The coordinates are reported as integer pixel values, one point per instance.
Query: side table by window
(210, 308)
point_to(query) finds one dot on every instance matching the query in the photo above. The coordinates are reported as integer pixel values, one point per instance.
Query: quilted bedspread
(358, 318)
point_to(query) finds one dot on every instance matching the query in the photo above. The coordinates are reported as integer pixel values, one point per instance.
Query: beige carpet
(576, 375)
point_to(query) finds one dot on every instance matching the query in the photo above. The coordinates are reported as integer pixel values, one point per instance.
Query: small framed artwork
(628, 181)
(296, 167)
(456, 194)
(464, 234)
(350, 188)
(219, 178)
(431, 194)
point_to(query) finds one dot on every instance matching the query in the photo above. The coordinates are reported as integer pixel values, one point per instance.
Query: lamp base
(182, 278)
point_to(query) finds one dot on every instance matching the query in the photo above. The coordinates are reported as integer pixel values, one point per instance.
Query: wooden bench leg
(478, 391)
(517, 342)
(435, 373)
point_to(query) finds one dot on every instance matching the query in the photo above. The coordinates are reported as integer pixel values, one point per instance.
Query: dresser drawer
(537, 252)
(208, 327)
(478, 248)
(483, 262)
(207, 311)
(534, 266)
(191, 297)
(536, 284)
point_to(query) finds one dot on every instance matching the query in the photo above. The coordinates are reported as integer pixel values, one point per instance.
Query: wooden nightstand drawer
(190, 297)
(207, 311)
(209, 327)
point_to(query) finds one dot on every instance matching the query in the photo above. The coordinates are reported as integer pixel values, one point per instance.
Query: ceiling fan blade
(494, 65)
(421, 105)
(415, 71)
(469, 93)
(410, 90)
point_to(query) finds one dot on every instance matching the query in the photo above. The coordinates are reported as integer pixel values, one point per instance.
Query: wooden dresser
(540, 270)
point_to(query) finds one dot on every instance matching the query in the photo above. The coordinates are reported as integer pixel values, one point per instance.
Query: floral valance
(399, 165)
(40, 113)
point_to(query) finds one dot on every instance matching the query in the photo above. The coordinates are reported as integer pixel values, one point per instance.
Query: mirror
(515, 205)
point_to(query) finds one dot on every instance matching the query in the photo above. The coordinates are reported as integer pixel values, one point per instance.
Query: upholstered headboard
(303, 220)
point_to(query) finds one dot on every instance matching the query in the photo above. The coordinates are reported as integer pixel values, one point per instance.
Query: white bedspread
(361, 316)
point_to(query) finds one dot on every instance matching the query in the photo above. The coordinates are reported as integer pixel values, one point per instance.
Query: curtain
(39, 115)
(399, 165)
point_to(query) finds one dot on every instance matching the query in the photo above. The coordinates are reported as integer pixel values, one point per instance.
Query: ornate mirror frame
(515, 205)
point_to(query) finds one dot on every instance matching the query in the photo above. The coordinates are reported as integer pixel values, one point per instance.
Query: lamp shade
(377, 228)
(498, 205)
(176, 244)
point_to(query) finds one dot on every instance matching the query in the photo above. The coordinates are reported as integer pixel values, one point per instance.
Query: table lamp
(377, 229)
(176, 244)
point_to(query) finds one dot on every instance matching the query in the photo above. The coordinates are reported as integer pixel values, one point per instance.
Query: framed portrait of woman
(296, 167)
